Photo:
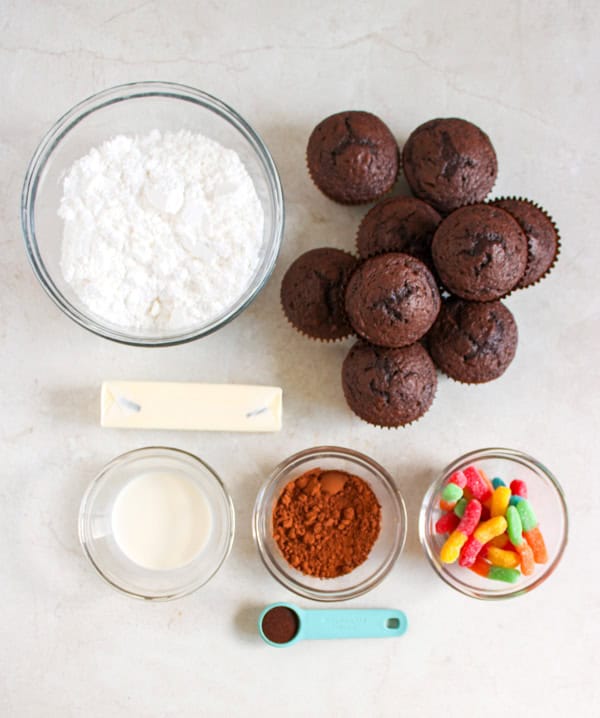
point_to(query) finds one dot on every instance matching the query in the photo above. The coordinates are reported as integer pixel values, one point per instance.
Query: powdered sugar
(162, 231)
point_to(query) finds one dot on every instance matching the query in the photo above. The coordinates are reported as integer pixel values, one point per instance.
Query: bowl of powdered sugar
(152, 213)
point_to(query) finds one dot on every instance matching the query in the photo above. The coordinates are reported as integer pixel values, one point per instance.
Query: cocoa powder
(326, 522)
(280, 624)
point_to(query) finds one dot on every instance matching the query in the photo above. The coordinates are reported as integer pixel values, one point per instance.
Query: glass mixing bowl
(98, 538)
(547, 500)
(131, 109)
(385, 551)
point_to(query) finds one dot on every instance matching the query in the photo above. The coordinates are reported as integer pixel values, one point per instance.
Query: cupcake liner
(552, 222)
(323, 340)
(399, 426)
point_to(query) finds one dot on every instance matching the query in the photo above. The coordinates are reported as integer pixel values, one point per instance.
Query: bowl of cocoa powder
(329, 523)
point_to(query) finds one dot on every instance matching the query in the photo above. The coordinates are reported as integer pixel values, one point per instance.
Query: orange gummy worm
(526, 557)
(535, 539)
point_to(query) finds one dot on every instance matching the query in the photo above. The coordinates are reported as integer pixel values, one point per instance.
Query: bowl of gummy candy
(494, 524)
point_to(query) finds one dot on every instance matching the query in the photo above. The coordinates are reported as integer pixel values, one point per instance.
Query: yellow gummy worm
(500, 501)
(505, 559)
(451, 549)
(489, 529)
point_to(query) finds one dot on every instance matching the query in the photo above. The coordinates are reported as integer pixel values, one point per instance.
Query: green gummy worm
(459, 509)
(527, 515)
(452, 492)
(509, 575)
(515, 526)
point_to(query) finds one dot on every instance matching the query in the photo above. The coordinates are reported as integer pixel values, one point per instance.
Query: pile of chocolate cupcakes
(431, 269)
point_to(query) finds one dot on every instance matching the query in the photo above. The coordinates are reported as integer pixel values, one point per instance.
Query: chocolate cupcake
(392, 300)
(480, 252)
(399, 224)
(449, 163)
(473, 342)
(352, 157)
(388, 387)
(312, 293)
(542, 237)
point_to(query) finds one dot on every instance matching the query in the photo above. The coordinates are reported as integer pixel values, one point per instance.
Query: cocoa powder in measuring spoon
(326, 522)
(280, 624)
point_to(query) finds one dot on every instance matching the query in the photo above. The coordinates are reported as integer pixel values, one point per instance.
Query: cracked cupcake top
(352, 157)
(388, 387)
(480, 252)
(473, 342)
(449, 162)
(392, 300)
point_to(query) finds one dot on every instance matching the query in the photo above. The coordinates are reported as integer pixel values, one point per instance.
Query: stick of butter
(194, 407)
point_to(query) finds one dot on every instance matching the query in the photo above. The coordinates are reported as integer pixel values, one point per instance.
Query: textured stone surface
(72, 647)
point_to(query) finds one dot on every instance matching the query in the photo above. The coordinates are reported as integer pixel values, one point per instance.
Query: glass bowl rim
(504, 454)
(123, 93)
(397, 501)
(84, 507)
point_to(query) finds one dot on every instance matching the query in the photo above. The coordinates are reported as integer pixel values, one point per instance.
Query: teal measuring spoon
(283, 624)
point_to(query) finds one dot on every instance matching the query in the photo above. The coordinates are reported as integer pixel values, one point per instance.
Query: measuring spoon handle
(348, 623)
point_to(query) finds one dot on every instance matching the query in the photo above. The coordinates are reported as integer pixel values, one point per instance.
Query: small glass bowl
(547, 500)
(139, 108)
(96, 531)
(384, 553)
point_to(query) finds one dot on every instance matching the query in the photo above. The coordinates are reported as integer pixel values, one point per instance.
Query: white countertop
(528, 73)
